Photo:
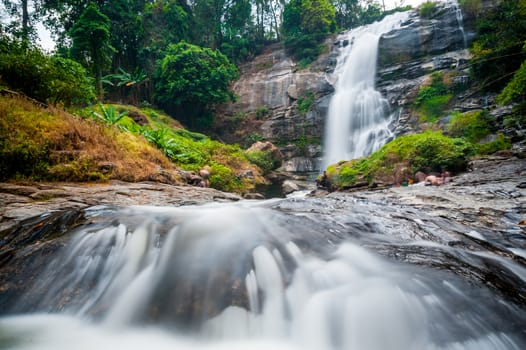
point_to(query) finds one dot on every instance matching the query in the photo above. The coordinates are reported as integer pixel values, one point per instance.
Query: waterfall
(460, 21)
(358, 118)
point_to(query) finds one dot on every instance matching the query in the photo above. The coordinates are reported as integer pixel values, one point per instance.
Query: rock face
(269, 92)
(409, 55)
(423, 37)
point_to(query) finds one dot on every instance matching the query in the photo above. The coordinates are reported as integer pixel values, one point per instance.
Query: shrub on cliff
(433, 99)
(472, 126)
(475, 127)
(428, 9)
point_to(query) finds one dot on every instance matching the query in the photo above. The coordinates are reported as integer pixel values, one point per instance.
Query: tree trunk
(25, 22)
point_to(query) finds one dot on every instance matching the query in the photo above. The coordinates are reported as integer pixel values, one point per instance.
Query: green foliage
(222, 177)
(434, 107)
(473, 126)
(428, 9)
(433, 99)
(23, 158)
(498, 50)
(305, 103)
(109, 114)
(305, 24)
(91, 42)
(435, 152)
(263, 160)
(429, 151)
(499, 144)
(516, 88)
(50, 79)
(253, 138)
(517, 119)
(261, 112)
(190, 80)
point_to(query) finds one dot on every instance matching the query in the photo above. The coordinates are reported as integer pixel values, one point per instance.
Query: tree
(49, 79)
(497, 52)
(21, 26)
(91, 42)
(305, 24)
(190, 80)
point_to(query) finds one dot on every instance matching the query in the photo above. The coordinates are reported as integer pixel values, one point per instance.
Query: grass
(50, 144)
(192, 151)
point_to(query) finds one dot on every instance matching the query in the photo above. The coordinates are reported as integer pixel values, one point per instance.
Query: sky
(47, 43)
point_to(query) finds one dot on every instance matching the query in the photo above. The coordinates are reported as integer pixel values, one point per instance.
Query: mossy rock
(396, 161)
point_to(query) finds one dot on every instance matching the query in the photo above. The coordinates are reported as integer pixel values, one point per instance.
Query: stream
(337, 272)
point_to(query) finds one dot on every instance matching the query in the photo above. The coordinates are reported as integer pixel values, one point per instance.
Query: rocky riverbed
(24, 200)
(494, 186)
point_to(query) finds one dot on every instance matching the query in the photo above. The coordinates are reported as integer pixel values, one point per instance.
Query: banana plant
(109, 115)
(132, 80)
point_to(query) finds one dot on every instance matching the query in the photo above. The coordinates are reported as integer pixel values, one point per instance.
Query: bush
(305, 103)
(499, 144)
(222, 177)
(432, 100)
(261, 112)
(263, 160)
(428, 152)
(473, 126)
(516, 88)
(49, 79)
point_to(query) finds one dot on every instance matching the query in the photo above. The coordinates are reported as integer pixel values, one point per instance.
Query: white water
(460, 20)
(359, 117)
(352, 300)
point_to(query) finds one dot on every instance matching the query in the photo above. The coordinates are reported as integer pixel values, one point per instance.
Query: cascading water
(460, 20)
(260, 276)
(358, 118)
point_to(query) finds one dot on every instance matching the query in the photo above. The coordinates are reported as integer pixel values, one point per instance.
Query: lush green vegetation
(305, 24)
(49, 79)
(428, 151)
(473, 126)
(433, 99)
(190, 80)
(498, 50)
(305, 103)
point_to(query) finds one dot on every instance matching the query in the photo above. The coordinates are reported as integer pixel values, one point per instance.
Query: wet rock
(254, 195)
(300, 165)
(422, 37)
(289, 187)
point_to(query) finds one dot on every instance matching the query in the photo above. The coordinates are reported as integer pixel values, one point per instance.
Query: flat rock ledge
(22, 201)
(492, 194)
